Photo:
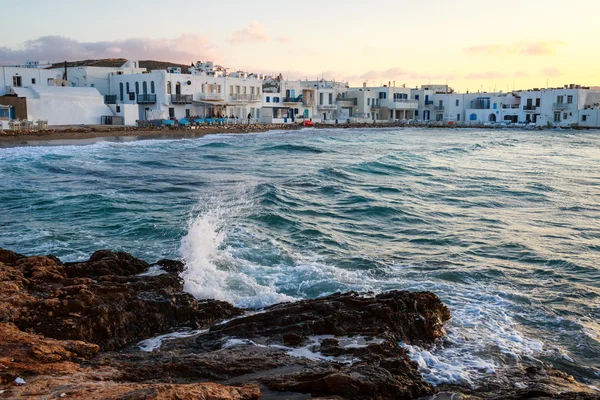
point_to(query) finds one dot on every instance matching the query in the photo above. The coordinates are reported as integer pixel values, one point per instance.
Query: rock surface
(72, 330)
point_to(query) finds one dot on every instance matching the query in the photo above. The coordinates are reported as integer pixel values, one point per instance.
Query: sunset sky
(468, 44)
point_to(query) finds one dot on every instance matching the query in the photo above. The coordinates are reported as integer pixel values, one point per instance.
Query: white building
(381, 103)
(206, 90)
(25, 77)
(98, 77)
(63, 105)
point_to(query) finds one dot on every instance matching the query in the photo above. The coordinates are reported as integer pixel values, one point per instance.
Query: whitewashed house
(207, 90)
(383, 103)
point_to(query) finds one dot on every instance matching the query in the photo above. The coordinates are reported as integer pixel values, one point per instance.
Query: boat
(308, 123)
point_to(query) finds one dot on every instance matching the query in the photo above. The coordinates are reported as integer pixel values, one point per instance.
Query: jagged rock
(343, 346)
(114, 309)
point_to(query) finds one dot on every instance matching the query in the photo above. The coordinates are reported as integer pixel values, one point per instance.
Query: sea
(503, 225)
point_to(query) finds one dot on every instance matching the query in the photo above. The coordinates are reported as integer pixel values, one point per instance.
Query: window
(275, 99)
(457, 115)
(252, 90)
(382, 95)
(369, 101)
(457, 103)
(128, 88)
(231, 90)
(218, 88)
(33, 81)
(244, 90)
(137, 88)
(268, 99)
(556, 117)
(473, 117)
(145, 88)
(17, 81)
(495, 106)
(569, 99)
(152, 87)
(560, 99)
(121, 91)
(583, 118)
(368, 115)
(330, 98)
(321, 98)
(416, 97)
(565, 116)
(416, 113)
(237, 90)
(538, 102)
(187, 113)
(169, 87)
(118, 109)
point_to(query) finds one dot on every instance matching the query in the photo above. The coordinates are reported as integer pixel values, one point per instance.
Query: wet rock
(99, 301)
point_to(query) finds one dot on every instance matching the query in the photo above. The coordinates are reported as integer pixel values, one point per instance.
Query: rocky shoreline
(91, 330)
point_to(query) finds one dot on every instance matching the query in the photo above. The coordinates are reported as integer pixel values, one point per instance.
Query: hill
(117, 62)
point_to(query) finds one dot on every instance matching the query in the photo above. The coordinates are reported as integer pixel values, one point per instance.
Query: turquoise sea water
(503, 225)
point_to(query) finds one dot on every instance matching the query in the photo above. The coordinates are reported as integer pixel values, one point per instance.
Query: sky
(469, 45)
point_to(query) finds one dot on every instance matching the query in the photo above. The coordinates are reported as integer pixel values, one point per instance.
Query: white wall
(64, 105)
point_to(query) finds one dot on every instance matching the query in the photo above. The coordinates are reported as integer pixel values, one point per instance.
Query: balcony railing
(344, 101)
(181, 98)
(513, 106)
(110, 99)
(292, 99)
(146, 99)
(375, 105)
(251, 98)
(428, 103)
(327, 107)
(560, 105)
(405, 101)
(210, 97)
(439, 108)
(529, 108)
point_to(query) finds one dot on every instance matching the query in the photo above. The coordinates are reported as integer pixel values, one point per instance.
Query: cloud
(398, 73)
(496, 75)
(185, 48)
(551, 72)
(284, 39)
(539, 48)
(251, 34)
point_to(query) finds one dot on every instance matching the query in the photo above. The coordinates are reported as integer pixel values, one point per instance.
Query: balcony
(346, 102)
(439, 108)
(375, 106)
(182, 98)
(402, 104)
(327, 107)
(110, 99)
(210, 97)
(146, 99)
(529, 108)
(428, 103)
(246, 98)
(560, 106)
(292, 99)
(511, 106)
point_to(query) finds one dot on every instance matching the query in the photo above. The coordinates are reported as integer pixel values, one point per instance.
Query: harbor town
(39, 95)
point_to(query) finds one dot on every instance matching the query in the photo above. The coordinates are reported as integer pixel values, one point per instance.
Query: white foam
(152, 344)
(213, 273)
(155, 270)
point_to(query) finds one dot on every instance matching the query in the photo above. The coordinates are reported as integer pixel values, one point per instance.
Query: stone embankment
(90, 330)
